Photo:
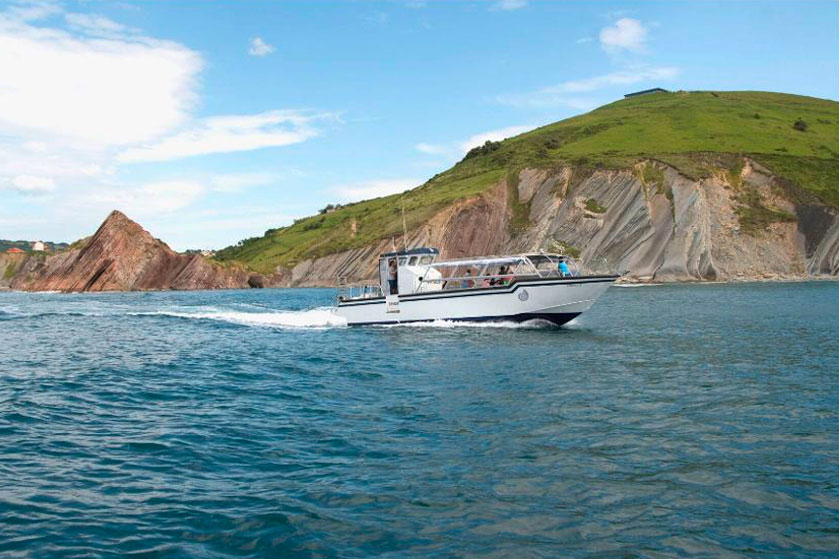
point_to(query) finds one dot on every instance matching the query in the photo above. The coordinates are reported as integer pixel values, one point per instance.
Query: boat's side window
(413, 261)
(425, 260)
(402, 260)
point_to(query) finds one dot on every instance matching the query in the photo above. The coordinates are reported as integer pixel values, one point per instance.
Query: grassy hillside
(797, 137)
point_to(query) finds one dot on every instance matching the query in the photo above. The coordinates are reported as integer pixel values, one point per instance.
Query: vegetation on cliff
(698, 133)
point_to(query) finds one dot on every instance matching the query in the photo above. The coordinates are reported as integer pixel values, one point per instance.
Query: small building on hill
(38, 246)
(14, 250)
(645, 92)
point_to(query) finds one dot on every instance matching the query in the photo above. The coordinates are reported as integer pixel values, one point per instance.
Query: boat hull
(556, 300)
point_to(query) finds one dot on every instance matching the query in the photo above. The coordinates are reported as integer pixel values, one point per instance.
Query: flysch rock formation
(679, 229)
(675, 229)
(120, 256)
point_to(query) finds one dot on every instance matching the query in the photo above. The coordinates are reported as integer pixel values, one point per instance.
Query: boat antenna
(404, 229)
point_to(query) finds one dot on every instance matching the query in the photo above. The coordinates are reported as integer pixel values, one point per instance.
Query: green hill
(697, 132)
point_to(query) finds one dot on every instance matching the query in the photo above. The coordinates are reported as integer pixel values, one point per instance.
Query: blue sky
(211, 122)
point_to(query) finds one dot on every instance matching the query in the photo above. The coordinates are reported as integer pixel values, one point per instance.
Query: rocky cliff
(120, 256)
(651, 223)
(670, 186)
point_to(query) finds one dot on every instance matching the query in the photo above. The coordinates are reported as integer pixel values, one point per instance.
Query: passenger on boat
(495, 280)
(467, 283)
(391, 276)
(508, 278)
(563, 269)
(502, 278)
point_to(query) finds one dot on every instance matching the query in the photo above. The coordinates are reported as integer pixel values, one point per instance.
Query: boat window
(402, 260)
(413, 261)
(425, 260)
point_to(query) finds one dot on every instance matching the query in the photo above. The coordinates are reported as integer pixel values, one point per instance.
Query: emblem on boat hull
(524, 295)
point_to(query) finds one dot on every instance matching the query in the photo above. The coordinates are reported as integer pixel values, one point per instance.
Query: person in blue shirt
(564, 269)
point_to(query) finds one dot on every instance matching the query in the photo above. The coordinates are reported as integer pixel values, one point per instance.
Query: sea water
(669, 421)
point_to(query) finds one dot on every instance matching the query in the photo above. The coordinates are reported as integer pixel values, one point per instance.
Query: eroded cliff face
(120, 256)
(668, 228)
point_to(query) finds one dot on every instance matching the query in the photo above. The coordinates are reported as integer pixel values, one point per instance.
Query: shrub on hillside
(594, 206)
(488, 147)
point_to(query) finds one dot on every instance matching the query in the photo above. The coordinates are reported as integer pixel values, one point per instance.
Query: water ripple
(689, 421)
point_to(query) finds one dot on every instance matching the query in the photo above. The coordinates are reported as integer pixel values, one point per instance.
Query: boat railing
(552, 270)
(347, 290)
(472, 282)
(499, 280)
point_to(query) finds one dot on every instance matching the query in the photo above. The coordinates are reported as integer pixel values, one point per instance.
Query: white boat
(414, 286)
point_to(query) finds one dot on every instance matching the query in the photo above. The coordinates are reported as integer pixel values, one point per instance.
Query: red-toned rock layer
(120, 256)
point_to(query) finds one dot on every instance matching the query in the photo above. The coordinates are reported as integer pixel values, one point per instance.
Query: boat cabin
(419, 270)
(403, 271)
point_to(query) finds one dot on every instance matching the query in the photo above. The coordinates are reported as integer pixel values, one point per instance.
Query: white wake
(313, 318)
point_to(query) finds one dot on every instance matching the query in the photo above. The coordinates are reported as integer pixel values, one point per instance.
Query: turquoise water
(670, 421)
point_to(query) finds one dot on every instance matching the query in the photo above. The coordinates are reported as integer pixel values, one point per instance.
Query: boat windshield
(544, 262)
(475, 273)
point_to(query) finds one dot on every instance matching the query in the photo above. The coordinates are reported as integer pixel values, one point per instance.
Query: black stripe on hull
(473, 292)
(557, 318)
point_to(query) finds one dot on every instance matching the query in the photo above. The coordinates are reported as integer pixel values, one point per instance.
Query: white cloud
(509, 5)
(80, 94)
(493, 136)
(568, 93)
(582, 40)
(31, 185)
(622, 77)
(456, 150)
(224, 134)
(354, 192)
(92, 91)
(260, 48)
(94, 24)
(147, 200)
(432, 149)
(237, 182)
(70, 98)
(626, 34)
(24, 12)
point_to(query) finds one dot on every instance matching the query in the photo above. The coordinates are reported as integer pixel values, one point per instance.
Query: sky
(210, 122)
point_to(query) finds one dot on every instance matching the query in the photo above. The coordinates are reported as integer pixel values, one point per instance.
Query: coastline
(622, 282)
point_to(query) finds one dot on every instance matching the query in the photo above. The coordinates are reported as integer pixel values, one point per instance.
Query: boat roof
(483, 261)
(410, 252)
(479, 261)
(497, 260)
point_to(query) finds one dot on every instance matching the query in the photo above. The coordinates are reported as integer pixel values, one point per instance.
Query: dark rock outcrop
(257, 281)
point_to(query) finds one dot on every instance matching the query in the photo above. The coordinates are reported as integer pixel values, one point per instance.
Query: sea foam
(313, 318)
